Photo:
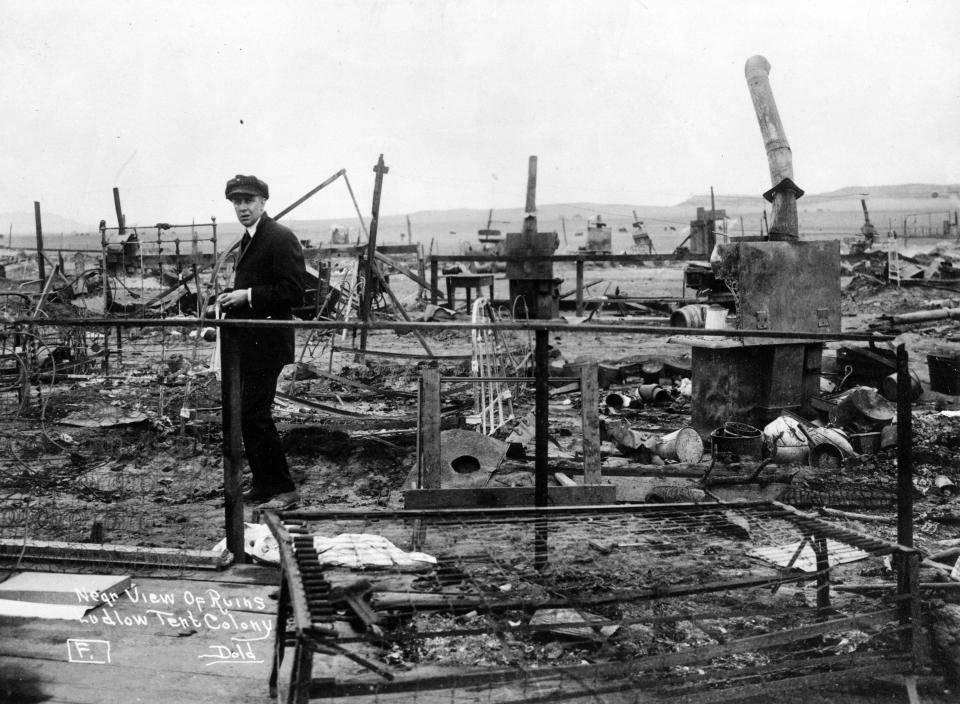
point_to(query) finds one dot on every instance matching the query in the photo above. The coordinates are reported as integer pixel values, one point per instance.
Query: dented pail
(683, 445)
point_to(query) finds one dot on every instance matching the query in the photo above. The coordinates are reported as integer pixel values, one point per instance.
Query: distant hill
(821, 214)
(902, 192)
(23, 222)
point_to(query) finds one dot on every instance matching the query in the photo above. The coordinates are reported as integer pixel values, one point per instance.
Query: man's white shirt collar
(253, 228)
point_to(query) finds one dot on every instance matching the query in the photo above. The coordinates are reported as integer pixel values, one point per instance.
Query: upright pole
(542, 429)
(122, 228)
(428, 437)
(369, 280)
(908, 565)
(590, 420)
(105, 280)
(541, 391)
(904, 450)
(41, 267)
(531, 207)
(213, 239)
(230, 391)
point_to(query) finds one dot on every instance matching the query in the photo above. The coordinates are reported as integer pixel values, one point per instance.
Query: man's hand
(232, 300)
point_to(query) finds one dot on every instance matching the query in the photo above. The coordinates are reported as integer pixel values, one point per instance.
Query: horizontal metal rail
(407, 326)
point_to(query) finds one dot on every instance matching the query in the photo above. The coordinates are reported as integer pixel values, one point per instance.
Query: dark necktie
(245, 242)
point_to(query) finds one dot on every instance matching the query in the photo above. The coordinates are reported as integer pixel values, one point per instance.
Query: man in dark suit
(268, 283)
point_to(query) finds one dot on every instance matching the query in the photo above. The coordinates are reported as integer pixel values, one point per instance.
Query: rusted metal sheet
(751, 384)
(785, 286)
(535, 248)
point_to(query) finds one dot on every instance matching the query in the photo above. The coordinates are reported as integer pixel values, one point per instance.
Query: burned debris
(518, 490)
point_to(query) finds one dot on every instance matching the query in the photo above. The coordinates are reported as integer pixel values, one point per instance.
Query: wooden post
(589, 403)
(421, 272)
(904, 450)
(41, 266)
(428, 437)
(380, 169)
(579, 288)
(531, 208)
(785, 225)
(230, 398)
(908, 589)
(434, 275)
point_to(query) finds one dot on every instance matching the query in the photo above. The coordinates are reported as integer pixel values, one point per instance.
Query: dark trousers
(261, 441)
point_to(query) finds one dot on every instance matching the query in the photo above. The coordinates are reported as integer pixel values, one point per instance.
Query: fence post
(589, 401)
(428, 437)
(230, 390)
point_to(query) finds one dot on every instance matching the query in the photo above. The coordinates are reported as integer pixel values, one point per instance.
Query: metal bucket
(684, 445)
(716, 318)
(864, 407)
(732, 441)
(889, 387)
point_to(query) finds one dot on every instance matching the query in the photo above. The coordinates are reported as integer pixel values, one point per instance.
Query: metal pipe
(785, 223)
(542, 425)
(122, 226)
(904, 450)
(525, 326)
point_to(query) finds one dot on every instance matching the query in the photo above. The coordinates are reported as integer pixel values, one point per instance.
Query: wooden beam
(96, 553)
(589, 405)
(230, 395)
(428, 437)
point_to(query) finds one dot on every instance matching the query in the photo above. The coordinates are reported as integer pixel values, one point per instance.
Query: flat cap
(249, 185)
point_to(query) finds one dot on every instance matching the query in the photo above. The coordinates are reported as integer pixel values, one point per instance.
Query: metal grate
(591, 602)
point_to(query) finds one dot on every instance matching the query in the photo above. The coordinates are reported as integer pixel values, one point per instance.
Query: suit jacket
(272, 268)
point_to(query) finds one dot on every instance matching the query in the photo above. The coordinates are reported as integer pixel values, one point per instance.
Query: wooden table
(468, 282)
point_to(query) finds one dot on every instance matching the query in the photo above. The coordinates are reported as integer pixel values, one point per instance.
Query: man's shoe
(285, 500)
(256, 495)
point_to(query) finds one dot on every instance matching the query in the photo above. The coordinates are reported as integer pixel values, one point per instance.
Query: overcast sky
(623, 101)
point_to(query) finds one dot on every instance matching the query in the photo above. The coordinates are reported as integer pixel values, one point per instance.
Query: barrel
(944, 373)
(888, 388)
(653, 393)
(687, 317)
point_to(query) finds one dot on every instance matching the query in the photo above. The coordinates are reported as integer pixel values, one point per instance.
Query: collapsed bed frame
(621, 602)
